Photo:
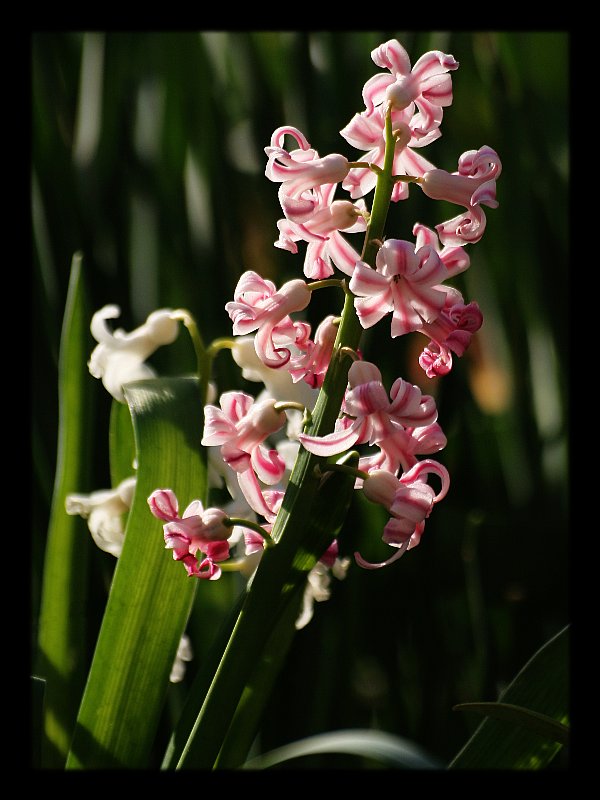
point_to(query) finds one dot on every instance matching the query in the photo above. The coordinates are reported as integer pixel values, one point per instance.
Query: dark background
(147, 157)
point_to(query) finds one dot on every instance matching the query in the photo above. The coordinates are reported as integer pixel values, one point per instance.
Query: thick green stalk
(297, 531)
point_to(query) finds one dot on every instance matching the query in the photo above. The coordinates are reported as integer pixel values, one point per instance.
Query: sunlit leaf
(151, 596)
(62, 624)
(390, 751)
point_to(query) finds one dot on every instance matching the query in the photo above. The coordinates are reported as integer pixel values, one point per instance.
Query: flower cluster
(253, 441)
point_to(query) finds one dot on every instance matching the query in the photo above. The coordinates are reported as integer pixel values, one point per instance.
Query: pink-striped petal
(268, 464)
(332, 443)
(163, 504)
(362, 562)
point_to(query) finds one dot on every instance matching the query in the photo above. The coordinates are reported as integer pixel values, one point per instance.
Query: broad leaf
(61, 633)
(151, 595)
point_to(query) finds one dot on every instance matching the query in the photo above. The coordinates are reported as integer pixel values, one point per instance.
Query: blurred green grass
(147, 156)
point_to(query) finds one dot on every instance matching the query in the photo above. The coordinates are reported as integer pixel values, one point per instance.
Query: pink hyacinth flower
(472, 186)
(428, 84)
(311, 365)
(454, 257)
(409, 500)
(399, 452)
(258, 306)
(370, 414)
(366, 131)
(404, 283)
(321, 230)
(450, 333)
(239, 427)
(299, 171)
(197, 529)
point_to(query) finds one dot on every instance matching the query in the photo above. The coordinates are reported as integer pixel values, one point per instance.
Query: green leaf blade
(264, 628)
(151, 595)
(542, 688)
(62, 628)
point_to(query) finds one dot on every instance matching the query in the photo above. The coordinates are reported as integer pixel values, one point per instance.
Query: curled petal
(163, 504)
(391, 55)
(332, 443)
(366, 281)
(467, 228)
(218, 429)
(427, 467)
(256, 499)
(410, 407)
(207, 570)
(362, 562)
(268, 465)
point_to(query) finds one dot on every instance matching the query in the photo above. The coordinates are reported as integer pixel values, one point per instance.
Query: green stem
(347, 470)
(326, 282)
(226, 343)
(296, 529)
(203, 356)
(231, 522)
(382, 198)
(365, 165)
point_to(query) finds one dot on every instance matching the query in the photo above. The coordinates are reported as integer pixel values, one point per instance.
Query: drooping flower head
(312, 364)
(258, 306)
(300, 171)
(321, 230)
(196, 530)
(409, 500)
(240, 427)
(119, 356)
(104, 511)
(398, 452)
(472, 186)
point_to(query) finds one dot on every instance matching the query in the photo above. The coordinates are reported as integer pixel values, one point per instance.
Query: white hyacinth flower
(119, 356)
(278, 383)
(104, 510)
(184, 653)
(318, 587)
